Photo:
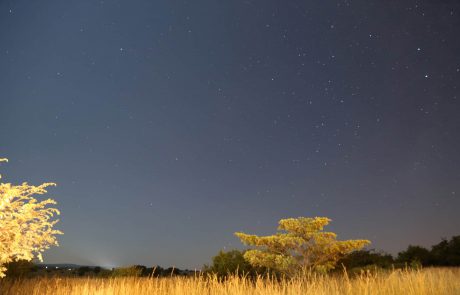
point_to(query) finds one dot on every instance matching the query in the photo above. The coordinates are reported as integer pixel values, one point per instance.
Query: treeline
(445, 253)
(23, 268)
(143, 271)
(129, 271)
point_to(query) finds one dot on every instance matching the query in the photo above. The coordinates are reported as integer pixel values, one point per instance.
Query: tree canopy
(300, 243)
(26, 224)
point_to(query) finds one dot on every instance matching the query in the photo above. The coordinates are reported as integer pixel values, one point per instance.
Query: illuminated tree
(300, 244)
(26, 224)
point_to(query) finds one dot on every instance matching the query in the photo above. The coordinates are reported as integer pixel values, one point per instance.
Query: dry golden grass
(426, 281)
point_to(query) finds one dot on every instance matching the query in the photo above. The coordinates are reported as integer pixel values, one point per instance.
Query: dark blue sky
(169, 125)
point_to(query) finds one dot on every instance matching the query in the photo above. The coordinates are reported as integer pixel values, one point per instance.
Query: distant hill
(60, 265)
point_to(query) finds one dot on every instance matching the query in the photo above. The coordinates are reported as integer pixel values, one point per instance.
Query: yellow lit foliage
(300, 244)
(26, 224)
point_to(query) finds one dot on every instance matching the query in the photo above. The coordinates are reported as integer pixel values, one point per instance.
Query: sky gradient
(169, 125)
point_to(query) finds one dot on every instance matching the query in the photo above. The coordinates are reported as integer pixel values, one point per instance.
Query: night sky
(169, 125)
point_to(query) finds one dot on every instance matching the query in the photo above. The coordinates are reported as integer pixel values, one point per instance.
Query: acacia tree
(26, 224)
(300, 244)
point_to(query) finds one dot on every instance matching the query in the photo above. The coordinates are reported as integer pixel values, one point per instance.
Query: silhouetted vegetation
(445, 253)
(415, 256)
(81, 271)
(232, 263)
(366, 258)
(19, 268)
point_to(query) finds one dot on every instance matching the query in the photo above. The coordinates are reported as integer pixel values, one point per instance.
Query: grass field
(426, 281)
